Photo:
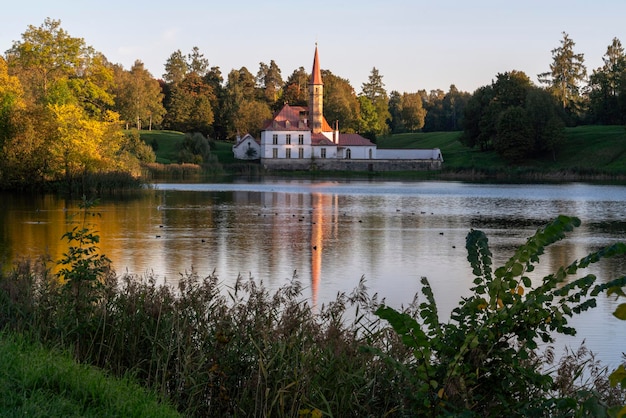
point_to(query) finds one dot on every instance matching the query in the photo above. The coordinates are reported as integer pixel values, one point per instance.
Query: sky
(414, 44)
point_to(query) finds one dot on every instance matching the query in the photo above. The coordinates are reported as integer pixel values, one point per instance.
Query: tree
(250, 117)
(374, 91)
(196, 63)
(81, 144)
(44, 54)
(295, 91)
(514, 138)
(138, 97)
(54, 67)
(190, 107)
(240, 88)
(566, 74)
(514, 117)
(368, 118)
(270, 81)
(11, 101)
(176, 68)
(413, 113)
(340, 102)
(606, 86)
(395, 112)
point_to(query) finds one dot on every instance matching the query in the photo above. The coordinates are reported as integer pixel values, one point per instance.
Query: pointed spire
(316, 74)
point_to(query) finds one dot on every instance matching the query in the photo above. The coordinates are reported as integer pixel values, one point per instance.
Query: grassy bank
(589, 152)
(40, 382)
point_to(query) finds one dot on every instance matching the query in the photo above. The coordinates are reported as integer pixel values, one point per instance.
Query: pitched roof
(316, 74)
(246, 137)
(289, 118)
(321, 140)
(353, 140)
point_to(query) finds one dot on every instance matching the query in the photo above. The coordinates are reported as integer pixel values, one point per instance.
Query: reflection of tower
(317, 239)
(316, 95)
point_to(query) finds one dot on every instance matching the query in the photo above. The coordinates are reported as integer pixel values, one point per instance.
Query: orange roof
(316, 74)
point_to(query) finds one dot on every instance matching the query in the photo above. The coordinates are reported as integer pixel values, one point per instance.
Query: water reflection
(332, 233)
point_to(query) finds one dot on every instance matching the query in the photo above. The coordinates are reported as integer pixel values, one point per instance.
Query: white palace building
(300, 138)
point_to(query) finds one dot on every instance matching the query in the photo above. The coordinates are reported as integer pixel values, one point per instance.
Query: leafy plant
(619, 375)
(82, 274)
(484, 361)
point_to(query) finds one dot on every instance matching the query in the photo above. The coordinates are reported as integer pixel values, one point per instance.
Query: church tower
(316, 95)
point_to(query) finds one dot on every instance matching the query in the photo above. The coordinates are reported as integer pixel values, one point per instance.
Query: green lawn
(37, 382)
(587, 149)
(168, 144)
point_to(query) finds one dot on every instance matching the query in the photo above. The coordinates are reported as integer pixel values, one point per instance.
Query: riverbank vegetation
(214, 350)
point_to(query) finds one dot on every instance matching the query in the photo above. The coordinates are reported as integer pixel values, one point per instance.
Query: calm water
(331, 233)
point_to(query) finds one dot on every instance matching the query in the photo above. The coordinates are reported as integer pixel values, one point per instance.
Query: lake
(331, 233)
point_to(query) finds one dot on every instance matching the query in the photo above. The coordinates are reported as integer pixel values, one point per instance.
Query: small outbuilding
(247, 148)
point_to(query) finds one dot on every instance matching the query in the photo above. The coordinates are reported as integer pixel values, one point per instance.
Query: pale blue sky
(414, 44)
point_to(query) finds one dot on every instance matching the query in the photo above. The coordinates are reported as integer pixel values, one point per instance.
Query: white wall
(267, 145)
(409, 154)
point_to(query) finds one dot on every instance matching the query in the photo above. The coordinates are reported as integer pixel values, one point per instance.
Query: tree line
(64, 106)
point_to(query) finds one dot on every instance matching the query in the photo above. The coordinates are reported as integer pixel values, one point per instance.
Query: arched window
(370, 153)
(348, 153)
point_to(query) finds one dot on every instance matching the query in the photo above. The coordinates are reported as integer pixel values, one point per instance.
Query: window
(275, 139)
(274, 152)
(300, 152)
(370, 153)
(288, 140)
(348, 153)
(288, 153)
(323, 152)
(301, 139)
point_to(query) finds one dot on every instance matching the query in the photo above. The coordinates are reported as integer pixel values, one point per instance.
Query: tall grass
(218, 351)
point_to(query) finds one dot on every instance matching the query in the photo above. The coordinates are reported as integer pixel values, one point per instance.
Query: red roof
(316, 74)
(320, 139)
(289, 118)
(354, 140)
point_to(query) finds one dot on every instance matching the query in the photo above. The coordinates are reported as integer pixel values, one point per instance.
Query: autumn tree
(374, 91)
(65, 127)
(138, 96)
(56, 67)
(566, 75)
(295, 90)
(240, 95)
(270, 82)
(189, 99)
(190, 107)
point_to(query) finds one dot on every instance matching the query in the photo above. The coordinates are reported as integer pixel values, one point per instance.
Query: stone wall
(350, 165)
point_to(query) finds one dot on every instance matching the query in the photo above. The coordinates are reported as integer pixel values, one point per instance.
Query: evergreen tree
(374, 91)
(567, 73)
